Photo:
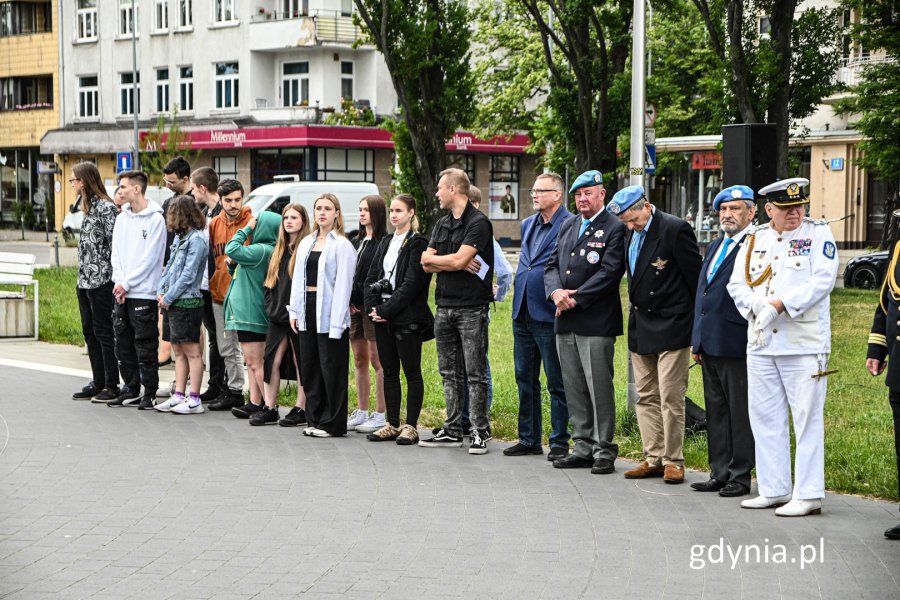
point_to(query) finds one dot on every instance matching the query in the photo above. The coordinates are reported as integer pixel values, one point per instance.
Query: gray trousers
(460, 334)
(229, 350)
(587, 372)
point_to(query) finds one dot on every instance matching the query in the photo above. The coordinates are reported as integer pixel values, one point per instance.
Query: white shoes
(357, 417)
(373, 423)
(316, 432)
(764, 502)
(800, 508)
(185, 408)
(170, 404)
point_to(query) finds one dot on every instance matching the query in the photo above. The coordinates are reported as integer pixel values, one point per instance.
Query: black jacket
(663, 286)
(719, 329)
(593, 265)
(363, 262)
(886, 327)
(407, 308)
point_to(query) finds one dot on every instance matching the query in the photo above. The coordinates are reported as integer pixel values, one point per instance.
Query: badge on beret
(593, 257)
(660, 264)
(614, 208)
(793, 190)
(598, 178)
(735, 193)
(828, 250)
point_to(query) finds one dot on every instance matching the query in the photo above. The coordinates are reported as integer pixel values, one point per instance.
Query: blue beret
(587, 179)
(735, 192)
(624, 198)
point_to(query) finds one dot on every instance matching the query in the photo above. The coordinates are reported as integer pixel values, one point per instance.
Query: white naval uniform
(795, 347)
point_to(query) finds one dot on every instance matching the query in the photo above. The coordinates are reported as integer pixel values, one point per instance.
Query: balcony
(849, 73)
(274, 30)
(266, 112)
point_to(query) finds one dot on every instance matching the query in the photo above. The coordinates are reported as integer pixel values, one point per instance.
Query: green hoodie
(245, 307)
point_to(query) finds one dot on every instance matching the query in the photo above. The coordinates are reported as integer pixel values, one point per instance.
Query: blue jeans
(535, 342)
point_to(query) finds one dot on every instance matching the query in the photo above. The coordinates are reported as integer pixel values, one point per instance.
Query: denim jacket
(187, 264)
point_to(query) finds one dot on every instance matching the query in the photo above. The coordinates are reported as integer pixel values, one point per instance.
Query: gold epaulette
(890, 280)
(878, 339)
(751, 240)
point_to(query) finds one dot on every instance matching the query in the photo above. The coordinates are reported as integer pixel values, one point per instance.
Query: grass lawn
(859, 456)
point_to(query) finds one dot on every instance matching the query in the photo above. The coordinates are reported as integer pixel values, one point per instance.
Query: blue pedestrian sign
(650, 158)
(123, 161)
(837, 164)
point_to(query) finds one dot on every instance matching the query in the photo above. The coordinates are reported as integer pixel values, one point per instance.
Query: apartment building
(29, 106)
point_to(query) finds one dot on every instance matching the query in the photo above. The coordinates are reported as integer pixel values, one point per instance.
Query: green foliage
(815, 59)
(350, 115)
(405, 172)
(168, 141)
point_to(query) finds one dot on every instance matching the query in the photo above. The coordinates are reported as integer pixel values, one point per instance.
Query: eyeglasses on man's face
(538, 191)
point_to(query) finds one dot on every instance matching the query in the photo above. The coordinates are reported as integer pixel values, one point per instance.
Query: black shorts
(184, 324)
(247, 337)
(166, 333)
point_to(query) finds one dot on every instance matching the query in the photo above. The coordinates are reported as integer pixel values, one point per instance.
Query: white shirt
(391, 256)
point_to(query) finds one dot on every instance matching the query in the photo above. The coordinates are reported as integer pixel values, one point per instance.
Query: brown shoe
(644, 470)
(674, 474)
(408, 435)
(385, 434)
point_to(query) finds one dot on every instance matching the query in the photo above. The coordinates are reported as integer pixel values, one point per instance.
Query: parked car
(867, 271)
(275, 196)
(72, 223)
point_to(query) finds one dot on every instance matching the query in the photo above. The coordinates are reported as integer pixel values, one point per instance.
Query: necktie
(584, 225)
(720, 258)
(637, 240)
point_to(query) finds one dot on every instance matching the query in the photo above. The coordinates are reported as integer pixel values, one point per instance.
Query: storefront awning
(89, 141)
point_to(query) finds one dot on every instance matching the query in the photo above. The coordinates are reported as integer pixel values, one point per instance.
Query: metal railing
(330, 25)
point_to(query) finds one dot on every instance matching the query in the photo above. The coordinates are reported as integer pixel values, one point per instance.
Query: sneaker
(147, 402)
(408, 435)
(210, 394)
(385, 434)
(87, 392)
(479, 443)
(106, 395)
(373, 423)
(128, 397)
(185, 408)
(357, 417)
(316, 432)
(169, 404)
(266, 416)
(244, 412)
(294, 418)
(167, 391)
(442, 439)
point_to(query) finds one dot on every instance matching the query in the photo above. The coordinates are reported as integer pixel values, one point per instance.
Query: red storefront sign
(706, 160)
(331, 136)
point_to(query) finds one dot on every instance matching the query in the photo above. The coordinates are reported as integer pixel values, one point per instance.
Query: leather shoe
(522, 450)
(893, 533)
(713, 485)
(766, 502)
(222, 402)
(644, 470)
(557, 452)
(734, 489)
(573, 461)
(673, 474)
(603, 466)
(800, 508)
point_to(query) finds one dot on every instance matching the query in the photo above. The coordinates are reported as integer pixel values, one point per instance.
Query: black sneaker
(295, 418)
(244, 412)
(127, 397)
(264, 416)
(479, 442)
(210, 394)
(87, 392)
(442, 439)
(106, 395)
(147, 401)
(237, 398)
(221, 402)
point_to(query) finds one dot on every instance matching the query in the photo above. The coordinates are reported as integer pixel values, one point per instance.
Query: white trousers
(229, 350)
(777, 383)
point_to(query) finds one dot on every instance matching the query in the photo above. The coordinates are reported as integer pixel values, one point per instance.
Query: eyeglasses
(537, 191)
(71, 179)
(170, 183)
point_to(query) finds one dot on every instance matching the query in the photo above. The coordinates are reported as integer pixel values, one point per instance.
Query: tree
(425, 45)
(780, 75)
(874, 99)
(163, 143)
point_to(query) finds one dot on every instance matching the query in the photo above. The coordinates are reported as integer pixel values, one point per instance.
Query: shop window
(503, 188)
(265, 164)
(346, 164)
(466, 162)
(226, 167)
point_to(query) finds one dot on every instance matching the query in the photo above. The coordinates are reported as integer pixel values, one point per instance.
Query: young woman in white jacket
(320, 312)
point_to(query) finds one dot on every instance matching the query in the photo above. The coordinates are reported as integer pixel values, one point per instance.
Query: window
(765, 27)
(503, 188)
(346, 8)
(128, 12)
(345, 164)
(347, 79)
(186, 89)
(24, 18)
(225, 166)
(295, 83)
(162, 90)
(88, 97)
(295, 8)
(26, 93)
(227, 85)
(224, 10)
(127, 92)
(466, 162)
(160, 15)
(185, 13)
(86, 21)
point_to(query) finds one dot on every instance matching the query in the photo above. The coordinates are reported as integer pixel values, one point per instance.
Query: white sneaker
(169, 404)
(316, 432)
(165, 392)
(373, 423)
(800, 508)
(185, 408)
(764, 502)
(357, 417)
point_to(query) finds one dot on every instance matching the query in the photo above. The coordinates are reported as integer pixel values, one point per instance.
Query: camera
(383, 289)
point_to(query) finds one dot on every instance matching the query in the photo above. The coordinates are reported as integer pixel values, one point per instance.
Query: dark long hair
(377, 216)
(92, 184)
(184, 215)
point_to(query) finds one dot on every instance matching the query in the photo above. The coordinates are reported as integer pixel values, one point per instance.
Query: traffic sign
(649, 135)
(837, 164)
(650, 158)
(123, 161)
(649, 115)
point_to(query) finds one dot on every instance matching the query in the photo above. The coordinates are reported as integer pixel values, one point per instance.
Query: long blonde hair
(284, 242)
(339, 219)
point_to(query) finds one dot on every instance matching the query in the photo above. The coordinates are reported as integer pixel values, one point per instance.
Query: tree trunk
(782, 20)
(735, 12)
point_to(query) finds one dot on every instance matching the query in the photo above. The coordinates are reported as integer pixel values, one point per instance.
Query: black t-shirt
(461, 288)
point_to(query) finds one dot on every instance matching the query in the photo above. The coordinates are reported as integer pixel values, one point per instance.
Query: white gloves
(758, 305)
(764, 318)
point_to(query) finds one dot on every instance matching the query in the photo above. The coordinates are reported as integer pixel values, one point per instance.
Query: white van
(72, 221)
(275, 196)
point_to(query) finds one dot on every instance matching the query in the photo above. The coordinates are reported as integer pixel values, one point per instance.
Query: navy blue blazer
(529, 282)
(719, 329)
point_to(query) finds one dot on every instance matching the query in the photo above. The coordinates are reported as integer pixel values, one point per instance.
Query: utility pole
(136, 163)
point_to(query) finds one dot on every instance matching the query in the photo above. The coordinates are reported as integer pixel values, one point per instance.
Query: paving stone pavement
(119, 503)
